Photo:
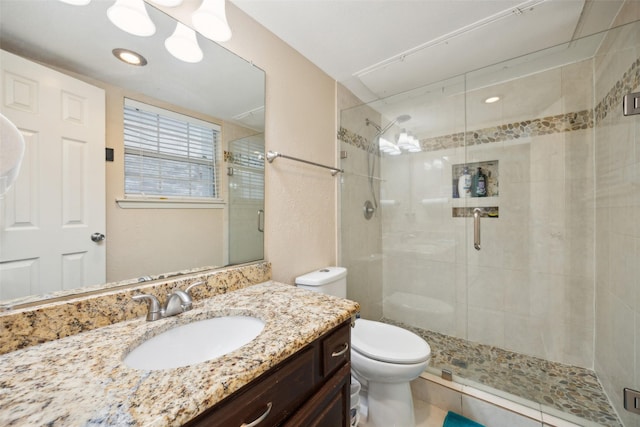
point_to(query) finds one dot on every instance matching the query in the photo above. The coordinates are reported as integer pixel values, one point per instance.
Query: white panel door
(58, 201)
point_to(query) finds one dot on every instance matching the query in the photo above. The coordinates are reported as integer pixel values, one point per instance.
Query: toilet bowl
(384, 358)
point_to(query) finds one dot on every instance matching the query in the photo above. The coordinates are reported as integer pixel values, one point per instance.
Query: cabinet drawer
(277, 395)
(335, 349)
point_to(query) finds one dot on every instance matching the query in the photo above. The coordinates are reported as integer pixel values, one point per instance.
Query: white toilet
(384, 358)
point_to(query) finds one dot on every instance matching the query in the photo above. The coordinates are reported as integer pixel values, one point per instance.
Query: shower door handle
(260, 220)
(477, 212)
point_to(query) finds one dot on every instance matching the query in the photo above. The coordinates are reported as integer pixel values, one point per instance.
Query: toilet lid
(388, 343)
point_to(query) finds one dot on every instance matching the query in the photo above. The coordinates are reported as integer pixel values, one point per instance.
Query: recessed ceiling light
(130, 57)
(492, 99)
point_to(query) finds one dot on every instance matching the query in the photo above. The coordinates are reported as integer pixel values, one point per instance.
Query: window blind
(169, 154)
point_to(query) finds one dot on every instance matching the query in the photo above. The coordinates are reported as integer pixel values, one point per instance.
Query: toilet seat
(388, 343)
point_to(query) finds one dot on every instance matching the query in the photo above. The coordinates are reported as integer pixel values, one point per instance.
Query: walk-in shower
(556, 278)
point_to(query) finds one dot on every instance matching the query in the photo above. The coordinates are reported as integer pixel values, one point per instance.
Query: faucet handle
(154, 312)
(177, 302)
(193, 285)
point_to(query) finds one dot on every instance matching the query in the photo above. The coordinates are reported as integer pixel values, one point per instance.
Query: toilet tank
(328, 280)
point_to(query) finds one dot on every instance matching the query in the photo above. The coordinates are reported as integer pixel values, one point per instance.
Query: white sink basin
(194, 342)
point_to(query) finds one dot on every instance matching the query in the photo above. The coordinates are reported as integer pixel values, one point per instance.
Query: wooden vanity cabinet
(310, 388)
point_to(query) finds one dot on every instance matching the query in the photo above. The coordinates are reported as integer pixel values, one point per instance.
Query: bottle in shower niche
(464, 183)
(479, 185)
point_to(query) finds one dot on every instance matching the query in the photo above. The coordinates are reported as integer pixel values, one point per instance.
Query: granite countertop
(82, 381)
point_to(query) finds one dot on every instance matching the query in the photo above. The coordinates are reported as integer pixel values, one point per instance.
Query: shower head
(370, 123)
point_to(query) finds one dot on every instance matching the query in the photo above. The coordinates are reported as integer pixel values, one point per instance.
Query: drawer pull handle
(341, 352)
(260, 418)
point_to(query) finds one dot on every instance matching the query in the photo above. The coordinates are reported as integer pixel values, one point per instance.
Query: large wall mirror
(68, 95)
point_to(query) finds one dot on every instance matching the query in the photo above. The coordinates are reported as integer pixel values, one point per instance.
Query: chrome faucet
(177, 302)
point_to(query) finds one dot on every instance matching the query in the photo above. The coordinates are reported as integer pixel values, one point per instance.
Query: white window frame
(134, 200)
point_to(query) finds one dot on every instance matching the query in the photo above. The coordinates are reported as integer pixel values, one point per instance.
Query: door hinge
(631, 104)
(632, 400)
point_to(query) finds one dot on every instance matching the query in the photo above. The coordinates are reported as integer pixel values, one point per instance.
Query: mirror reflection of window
(168, 154)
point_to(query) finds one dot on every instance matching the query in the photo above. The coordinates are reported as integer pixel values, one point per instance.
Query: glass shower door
(530, 284)
(246, 199)
(423, 258)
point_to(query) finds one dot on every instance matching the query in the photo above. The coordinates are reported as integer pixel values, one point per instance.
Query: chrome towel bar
(271, 155)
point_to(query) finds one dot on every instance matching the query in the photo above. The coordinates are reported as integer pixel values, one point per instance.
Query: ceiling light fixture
(492, 99)
(210, 20)
(388, 147)
(406, 142)
(131, 16)
(130, 57)
(183, 44)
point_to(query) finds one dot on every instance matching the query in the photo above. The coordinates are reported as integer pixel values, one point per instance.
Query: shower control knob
(368, 209)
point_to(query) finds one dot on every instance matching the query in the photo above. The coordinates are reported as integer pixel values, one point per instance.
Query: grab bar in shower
(271, 155)
(477, 213)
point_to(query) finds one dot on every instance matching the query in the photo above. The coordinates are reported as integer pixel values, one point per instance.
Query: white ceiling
(378, 48)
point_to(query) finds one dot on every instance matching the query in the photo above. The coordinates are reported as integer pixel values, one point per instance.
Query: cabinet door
(271, 398)
(329, 407)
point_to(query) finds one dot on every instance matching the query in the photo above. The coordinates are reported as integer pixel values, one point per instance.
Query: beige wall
(300, 200)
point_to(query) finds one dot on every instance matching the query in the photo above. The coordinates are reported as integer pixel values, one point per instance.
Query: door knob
(97, 237)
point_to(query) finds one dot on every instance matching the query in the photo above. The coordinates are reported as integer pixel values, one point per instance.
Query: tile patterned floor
(569, 389)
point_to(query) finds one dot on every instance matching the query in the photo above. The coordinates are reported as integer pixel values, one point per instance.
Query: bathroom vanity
(298, 367)
(310, 388)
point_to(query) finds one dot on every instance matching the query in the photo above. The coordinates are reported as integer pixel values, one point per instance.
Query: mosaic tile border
(613, 99)
(354, 139)
(566, 388)
(525, 129)
(506, 132)
(568, 122)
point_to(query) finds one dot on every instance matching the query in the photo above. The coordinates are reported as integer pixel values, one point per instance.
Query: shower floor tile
(570, 389)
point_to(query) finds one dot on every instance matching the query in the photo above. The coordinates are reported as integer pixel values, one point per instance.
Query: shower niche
(475, 185)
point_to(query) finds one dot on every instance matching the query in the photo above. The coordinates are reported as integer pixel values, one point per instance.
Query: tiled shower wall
(617, 155)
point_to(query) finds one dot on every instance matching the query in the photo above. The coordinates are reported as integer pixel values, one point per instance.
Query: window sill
(169, 204)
